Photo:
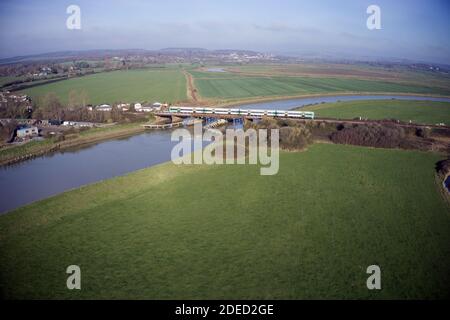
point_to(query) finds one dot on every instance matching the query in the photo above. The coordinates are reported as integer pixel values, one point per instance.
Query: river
(301, 102)
(45, 176)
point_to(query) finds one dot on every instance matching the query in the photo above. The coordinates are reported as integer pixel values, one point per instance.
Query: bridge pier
(238, 123)
(176, 119)
(209, 120)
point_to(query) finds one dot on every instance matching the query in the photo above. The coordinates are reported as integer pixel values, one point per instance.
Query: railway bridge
(176, 113)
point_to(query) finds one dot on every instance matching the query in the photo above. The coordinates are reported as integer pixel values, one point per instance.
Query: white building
(104, 107)
(147, 109)
(138, 107)
(27, 132)
(78, 124)
(157, 106)
(123, 106)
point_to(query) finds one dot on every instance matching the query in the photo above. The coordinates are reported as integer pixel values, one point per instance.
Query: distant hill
(101, 53)
(183, 50)
(64, 55)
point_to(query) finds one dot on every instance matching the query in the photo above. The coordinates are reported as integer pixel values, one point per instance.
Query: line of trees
(14, 110)
(50, 107)
(384, 136)
(293, 135)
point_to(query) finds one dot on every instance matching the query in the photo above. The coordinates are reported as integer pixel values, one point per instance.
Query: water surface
(39, 178)
(215, 70)
(301, 102)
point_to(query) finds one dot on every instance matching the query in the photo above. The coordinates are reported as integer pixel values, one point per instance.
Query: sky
(410, 29)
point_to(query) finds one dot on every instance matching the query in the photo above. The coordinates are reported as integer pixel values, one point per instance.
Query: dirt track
(192, 91)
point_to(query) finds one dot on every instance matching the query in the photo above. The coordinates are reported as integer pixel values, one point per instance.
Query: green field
(428, 112)
(232, 86)
(358, 71)
(195, 232)
(121, 86)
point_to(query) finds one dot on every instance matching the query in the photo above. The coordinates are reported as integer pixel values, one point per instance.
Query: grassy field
(232, 86)
(428, 112)
(127, 86)
(193, 232)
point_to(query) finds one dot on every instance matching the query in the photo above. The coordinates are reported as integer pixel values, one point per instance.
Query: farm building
(104, 107)
(78, 124)
(147, 108)
(157, 106)
(123, 106)
(27, 132)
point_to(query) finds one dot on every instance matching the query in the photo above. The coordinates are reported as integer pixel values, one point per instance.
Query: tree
(84, 98)
(73, 99)
(295, 138)
(51, 107)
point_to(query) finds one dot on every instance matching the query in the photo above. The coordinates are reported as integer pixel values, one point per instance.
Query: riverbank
(64, 170)
(33, 149)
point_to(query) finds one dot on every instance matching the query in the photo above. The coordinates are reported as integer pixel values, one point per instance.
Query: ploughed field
(253, 81)
(428, 112)
(357, 71)
(225, 231)
(235, 87)
(163, 85)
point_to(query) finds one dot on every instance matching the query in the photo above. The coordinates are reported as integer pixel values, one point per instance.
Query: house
(157, 106)
(78, 124)
(27, 132)
(123, 106)
(147, 108)
(164, 106)
(103, 107)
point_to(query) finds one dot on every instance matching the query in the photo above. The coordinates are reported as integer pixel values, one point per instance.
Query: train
(244, 112)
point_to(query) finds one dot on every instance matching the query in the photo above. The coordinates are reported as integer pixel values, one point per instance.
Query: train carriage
(244, 112)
